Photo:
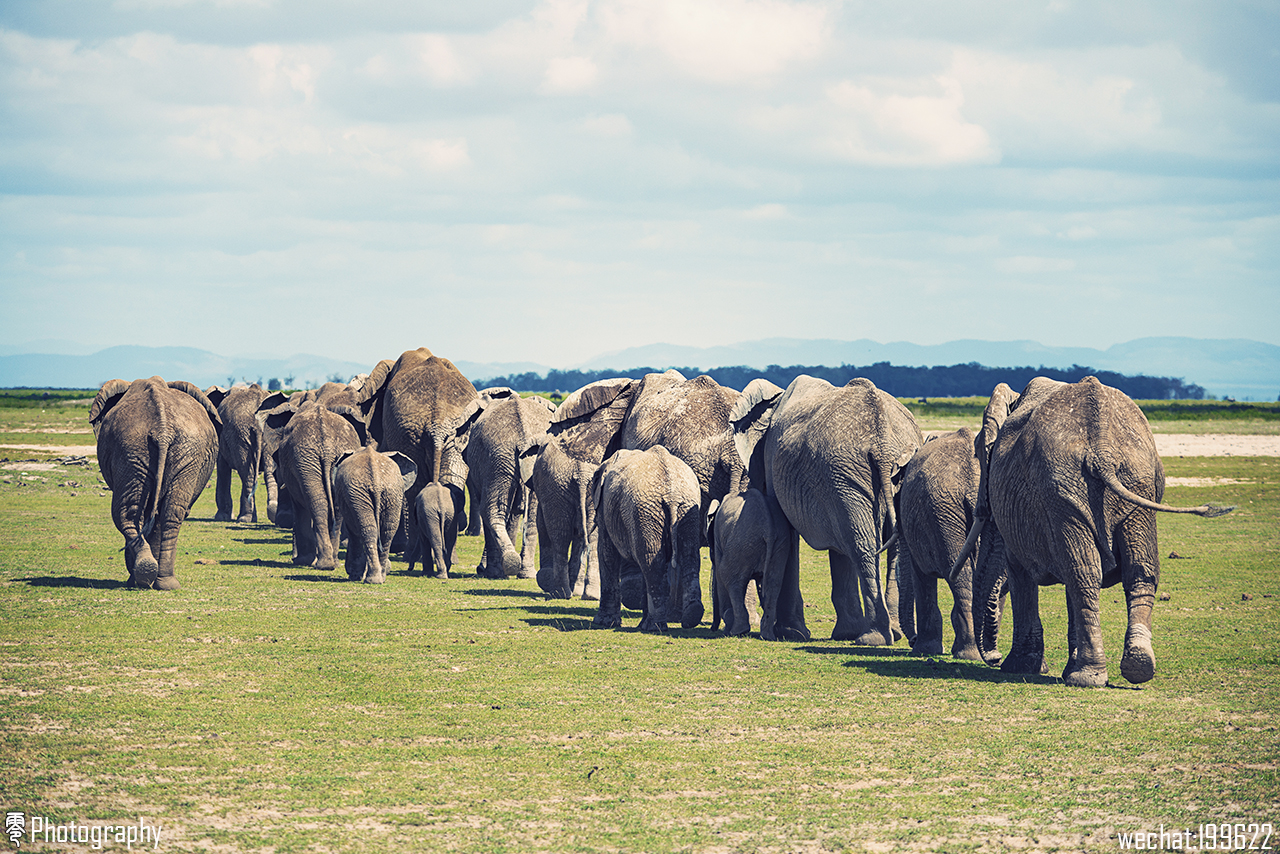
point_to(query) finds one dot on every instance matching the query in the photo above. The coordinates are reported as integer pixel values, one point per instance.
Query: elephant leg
(929, 639)
(273, 490)
(851, 590)
(689, 565)
(907, 593)
(737, 619)
(248, 501)
(529, 538)
(557, 577)
(718, 581)
(138, 559)
(782, 602)
(475, 524)
(657, 583)
(990, 584)
(1082, 575)
(1027, 652)
(965, 645)
(1139, 557)
(591, 558)
(890, 591)
(222, 491)
(609, 614)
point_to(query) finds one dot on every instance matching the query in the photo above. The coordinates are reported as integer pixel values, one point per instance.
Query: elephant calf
(368, 493)
(647, 513)
(750, 540)
(437, 513)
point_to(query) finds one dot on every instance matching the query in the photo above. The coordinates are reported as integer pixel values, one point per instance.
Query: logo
(15, 826)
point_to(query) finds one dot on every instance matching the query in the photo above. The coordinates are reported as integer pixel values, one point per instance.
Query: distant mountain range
(1237, 368)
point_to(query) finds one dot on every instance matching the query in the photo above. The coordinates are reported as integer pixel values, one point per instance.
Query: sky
(550, 180)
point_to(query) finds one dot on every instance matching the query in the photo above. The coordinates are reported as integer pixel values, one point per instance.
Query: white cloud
(568, 74)
(1032, 264)
(725, 41)
(610, 125)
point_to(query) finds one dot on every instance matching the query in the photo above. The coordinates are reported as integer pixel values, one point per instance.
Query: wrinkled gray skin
(508, 424)
(567, 535)
(1072, 487)
(832, 458)
(750, 537)
(368, 491)
(584, 430)
(936, 504)
(690, 418)
(437, 513)
(240, 449)
(648, 516)
(280, 508)
(157, 446)
(309, 440)
(423, 407)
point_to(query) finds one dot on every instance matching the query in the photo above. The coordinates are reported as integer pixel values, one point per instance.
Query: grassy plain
(267, 707)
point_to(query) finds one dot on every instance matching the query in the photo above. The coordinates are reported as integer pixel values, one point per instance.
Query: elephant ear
(497, 392)
(749, 419)
(408, 469)
(342, 457)
(597, 397)
(200, 398)
(217, 394)
(527, 457)
(354, 417)
(108, 396)
(470, 415)
(542, 401)
(273, 423)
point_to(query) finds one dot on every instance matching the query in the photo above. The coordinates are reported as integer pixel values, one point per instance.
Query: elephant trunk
(990, 575)
(975, 530)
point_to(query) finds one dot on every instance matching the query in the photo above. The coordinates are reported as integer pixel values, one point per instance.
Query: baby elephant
(368, 492)
(749, 539)
(437, 513)
(647, 512)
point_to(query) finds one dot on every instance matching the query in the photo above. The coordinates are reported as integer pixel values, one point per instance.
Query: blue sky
(545, 181)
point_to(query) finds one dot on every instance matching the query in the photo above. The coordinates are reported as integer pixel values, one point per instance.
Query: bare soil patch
(1216, 445)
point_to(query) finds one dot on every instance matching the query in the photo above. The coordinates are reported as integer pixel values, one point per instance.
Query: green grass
(270, 707)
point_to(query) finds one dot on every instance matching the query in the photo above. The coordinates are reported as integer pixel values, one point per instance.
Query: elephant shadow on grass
(258, 562)
(904, 665)
(505, 591)
(320, 576)
(283, 540)
(74, 581)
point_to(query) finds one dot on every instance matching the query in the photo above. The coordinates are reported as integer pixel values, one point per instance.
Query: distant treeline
(968, 380)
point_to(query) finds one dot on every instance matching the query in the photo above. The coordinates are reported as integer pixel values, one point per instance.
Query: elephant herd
(623, 483)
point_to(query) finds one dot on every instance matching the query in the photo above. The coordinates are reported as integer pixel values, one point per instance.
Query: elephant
(507, 425)
(157, 446)
(422, 406)
(1070, 488)
(558, 467)
(936, 504)
(240, 449)
(648, 516)
(567, 535)
(749, 537)
(438, 512)
(309, 440)
(832, 458)
(368, 495)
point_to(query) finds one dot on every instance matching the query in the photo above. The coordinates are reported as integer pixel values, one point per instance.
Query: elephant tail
(1107, 473)
(975, 530)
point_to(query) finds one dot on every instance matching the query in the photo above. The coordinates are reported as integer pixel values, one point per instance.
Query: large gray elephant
(368, 494)
(750, 538)
(422, 406)
(558, 467)
(832, 458)
(936, 504)
(1071, 488)
(309, 440)
(240, 449)
(157, 446)
(507, 425)
(647, 512)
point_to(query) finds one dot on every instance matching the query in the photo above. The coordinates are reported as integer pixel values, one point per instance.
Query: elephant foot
(602, 622)
(1139, 662)
(245, 518)
(652, 627)
(1085, 677)
(271, 512)
(872, 638)
(692, 615)
(966, 652)
(145, 572)
(634, 593)
(896, 633)
(552, 584)
(483, 572)
(167, 582)
(992, 657)
(1025, 663)
(787, 633)
(926, 646)
(591, 594)
(326, 565)
(378, 579)
(440, 573)
(222, 516)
